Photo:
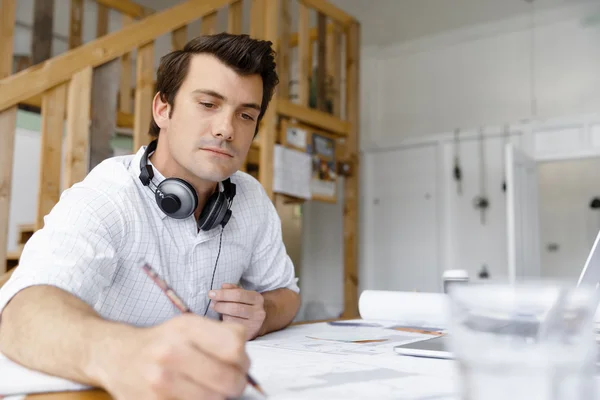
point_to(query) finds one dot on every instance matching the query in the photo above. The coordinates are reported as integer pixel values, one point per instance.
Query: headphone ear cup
(176, 198)
(213, 212)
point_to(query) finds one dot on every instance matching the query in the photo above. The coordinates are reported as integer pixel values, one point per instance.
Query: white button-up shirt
(96, 237)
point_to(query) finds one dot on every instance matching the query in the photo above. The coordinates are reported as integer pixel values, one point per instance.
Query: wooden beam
(75, 26)
(53, 112)
(321, 85)
(8, 124)
(334, 67)
(319, 119)
(283, 65)
(105, 90)
(351, 182)
(125, 99)
(269, 129)
(102, 21)
(179, 38)
(234, 17)
(330, 10)
(208, 26)
(32, 81)
(304, 56)
(144, 93)
(43, 31)
(77, 138)
(257, 19)
(127, 7)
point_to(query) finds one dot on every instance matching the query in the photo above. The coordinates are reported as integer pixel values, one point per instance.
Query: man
(80, 306)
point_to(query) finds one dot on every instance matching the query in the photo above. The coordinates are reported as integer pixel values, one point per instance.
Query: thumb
(228, 286)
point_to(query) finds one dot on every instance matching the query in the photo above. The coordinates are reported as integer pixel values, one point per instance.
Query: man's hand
(187, 357)
(242, 306)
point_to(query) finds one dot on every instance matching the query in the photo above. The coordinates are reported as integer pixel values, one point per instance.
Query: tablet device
(436, 347)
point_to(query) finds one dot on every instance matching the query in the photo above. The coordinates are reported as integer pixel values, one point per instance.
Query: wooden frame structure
(70, 90)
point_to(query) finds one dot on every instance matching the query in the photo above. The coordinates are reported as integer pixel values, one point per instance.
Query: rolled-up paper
(415, 308)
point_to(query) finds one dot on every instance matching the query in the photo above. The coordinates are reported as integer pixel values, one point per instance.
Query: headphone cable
(215, 269)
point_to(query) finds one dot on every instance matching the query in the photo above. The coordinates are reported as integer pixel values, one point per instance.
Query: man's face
(213, 121)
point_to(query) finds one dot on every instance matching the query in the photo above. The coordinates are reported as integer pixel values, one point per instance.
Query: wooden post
(43, 31)
(257, 19)
(351, 182)
(334, 66)
(208, 26)
(284, 52)
(269, 129)
(53, 114)
(321, 95)
(144, 93)
(102, 20)
(8, 120)
(125, 99)
(105, 90)
(304, 69)
(179, 38)
(79, 102)
(234, 17)
(75, 26)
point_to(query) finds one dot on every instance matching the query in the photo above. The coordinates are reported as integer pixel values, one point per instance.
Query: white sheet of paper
(16, 379)
(292, 172)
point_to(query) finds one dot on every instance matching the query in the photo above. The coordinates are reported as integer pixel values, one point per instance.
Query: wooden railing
(73, 85)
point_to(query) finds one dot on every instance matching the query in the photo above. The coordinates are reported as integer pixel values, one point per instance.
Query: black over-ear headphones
(178, 199)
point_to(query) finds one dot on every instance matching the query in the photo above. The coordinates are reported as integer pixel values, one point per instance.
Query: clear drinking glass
(524, 341)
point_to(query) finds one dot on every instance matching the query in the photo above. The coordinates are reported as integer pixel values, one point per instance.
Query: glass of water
(524, 341)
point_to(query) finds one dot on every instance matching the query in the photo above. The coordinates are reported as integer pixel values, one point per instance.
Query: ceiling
(393, 21)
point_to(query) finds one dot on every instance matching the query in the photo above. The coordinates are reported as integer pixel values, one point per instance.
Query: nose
(223, 127)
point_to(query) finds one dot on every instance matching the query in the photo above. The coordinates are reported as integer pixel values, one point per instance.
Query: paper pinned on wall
(291, 172)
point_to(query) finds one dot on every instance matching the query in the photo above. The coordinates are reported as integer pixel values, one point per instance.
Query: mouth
(218, 152)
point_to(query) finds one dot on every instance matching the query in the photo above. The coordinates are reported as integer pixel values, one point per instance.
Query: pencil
(176, 300)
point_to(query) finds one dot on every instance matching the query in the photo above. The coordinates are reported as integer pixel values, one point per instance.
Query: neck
(170, 168)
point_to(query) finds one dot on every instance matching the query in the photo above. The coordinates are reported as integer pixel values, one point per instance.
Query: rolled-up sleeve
(270, 266)
(76, 250)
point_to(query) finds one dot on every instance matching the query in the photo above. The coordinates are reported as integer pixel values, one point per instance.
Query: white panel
(595, 135)
(404, 240)
(557, 141)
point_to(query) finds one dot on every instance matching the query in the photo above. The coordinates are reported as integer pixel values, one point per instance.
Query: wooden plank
(77, 139)
(257, 19)
(8, 124)
(105, 90)
(351, 182)
(316, 118)
(26, 84)
(125, 99)
(127, 7)
(179, 38)
(144, 92)
(43, 31)
(334, 67)
(53, 112)
(268, 132)
(208, 26)
(321, 92)
(304, 47)
(76, 20)
(283, 65)
(102, 21)
(234, 17)
(329, 10)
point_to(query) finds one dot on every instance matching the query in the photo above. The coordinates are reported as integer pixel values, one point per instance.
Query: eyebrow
(221, 97)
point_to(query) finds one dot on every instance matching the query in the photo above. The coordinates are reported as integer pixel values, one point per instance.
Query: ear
(160, 111)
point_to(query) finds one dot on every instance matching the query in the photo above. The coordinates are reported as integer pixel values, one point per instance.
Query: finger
(225, 342)
(239, 310)
(229, 286)
(236, 296)
(183, 388)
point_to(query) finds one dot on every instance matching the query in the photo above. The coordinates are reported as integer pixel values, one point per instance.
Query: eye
(207, 105)
(247, 117)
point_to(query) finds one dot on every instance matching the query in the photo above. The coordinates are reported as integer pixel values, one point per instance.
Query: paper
(296, 137)
(291, 172)
(16, 380)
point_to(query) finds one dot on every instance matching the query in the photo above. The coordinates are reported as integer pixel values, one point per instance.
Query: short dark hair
(243, 54)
